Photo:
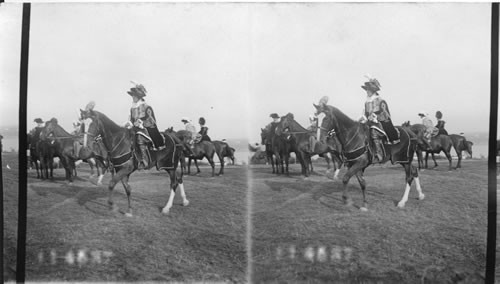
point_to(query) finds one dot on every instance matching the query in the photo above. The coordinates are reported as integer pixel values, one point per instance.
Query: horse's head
(406, 124)
(284, 125)
(50, 128)
(329, 124)
(468, 147)
(91, 125)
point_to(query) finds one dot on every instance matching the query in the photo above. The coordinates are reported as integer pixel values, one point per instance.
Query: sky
(236, 63)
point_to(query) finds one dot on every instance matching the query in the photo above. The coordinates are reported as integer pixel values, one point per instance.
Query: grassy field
(302, 232)
(73, 236)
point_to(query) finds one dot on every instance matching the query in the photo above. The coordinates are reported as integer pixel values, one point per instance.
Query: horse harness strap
(355, 154)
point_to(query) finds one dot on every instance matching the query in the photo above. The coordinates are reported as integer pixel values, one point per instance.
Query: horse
(440, 142)
(281, 148)
(96, 157)
(34, 155)
(223, 150)
(120, 144)
(460, 143)
(289, 127)
(266, 140)
(198, 151)
(62, 144)
(354, 139)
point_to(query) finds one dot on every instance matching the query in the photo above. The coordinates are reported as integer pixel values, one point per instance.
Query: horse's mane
(340, 117)
(111, 125)
(295, 123)
(60, 129)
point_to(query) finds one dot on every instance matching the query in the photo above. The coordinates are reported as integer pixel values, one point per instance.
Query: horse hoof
(165, 211)
(401, 205)
(185, 203)
(128, 214)
(364, 209)
(421, 197)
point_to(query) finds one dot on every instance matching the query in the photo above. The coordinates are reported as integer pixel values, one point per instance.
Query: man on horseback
(143, 122)
(378, 117)
(35, 132)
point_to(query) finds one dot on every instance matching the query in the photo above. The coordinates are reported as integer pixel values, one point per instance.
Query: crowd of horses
(346, 142)
(111, 148)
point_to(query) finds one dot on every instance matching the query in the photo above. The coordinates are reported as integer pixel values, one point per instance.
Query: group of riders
(377, 116)
(142, 122)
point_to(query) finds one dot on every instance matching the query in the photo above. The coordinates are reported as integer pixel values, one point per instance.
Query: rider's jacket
(376, 109)
(141, 111)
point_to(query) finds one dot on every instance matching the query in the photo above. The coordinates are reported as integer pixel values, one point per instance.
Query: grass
(201, 242)
(439, 239)
(301, 231)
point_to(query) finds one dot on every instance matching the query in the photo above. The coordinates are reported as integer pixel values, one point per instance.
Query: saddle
(390, 133)
(156, 139)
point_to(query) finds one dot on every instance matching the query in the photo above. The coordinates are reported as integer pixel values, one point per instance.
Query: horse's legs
(116, 178)
(426, 158)
(434, 159)
(411, 173)
(92, 163)
(51, 165)
(448, 156)
(416, 178)
(174, 182)
(459, 155)
(362, 183)
(100, 164)
(345, 180)
(197, 168)
(128, 190)
(221, 159)
(212, 164)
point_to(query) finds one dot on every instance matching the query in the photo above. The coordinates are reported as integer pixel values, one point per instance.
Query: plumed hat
(138, 91)
(38, 120)
(323, 101)
(372, 84)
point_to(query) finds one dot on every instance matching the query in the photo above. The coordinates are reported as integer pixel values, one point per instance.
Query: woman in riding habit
(143, 122)
(440, 123)
(376, 114)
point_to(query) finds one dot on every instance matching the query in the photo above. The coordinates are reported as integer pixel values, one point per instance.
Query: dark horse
(57, 142)
(440, 142)
(266, 140)
(223, 150)
(460, 143)
(354, 139)
(119, 143)
(198, 151)
(300, 138)
(280, 147)
(32, 142)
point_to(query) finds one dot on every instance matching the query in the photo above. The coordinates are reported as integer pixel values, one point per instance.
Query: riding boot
(144, 164)
(379, 150)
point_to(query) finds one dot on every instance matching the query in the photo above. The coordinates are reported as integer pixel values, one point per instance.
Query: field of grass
(73, 236)
(300, 230)
(303, 232)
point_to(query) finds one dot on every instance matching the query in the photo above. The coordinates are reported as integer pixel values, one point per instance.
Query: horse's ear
(319, 108)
